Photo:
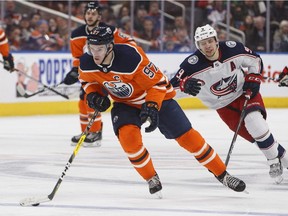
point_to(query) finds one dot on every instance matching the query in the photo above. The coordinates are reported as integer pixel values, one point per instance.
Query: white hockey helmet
(204, 32)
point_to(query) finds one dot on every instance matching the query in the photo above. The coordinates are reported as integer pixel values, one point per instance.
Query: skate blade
(278, 179)
(246, 192)
(92, 145)
(158, 195)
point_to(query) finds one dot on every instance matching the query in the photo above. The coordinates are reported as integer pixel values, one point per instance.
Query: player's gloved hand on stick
(8, 63)
(149, 111)
(98, 102)
(283, 77)
(71, 77)
(252, 83)
(190, 86)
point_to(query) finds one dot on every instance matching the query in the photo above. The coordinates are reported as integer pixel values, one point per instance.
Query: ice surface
(34, 151)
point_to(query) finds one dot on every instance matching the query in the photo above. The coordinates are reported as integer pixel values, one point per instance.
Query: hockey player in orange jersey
(141, 92)
(92, 17)
(5, 52)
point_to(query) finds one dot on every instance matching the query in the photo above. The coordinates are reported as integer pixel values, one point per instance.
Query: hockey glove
(71, 77)
(149, 111)
(190, 86)
(283, 78)
(98, 102)
(252, 83)
(8, 63)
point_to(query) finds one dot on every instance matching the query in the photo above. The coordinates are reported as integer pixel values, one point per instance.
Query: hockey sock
(193, 142)
(131, 141)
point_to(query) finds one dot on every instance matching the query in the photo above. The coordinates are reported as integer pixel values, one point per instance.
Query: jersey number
(150, 70)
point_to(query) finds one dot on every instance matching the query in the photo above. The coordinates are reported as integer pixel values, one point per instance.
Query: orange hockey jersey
(131, 78)
(4, 47)
(79, 37)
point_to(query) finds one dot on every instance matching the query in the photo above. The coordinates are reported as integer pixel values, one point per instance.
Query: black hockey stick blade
(23, 93)
(20, 89)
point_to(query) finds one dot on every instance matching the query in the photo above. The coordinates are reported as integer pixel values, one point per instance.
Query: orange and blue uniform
(78, 48)
(131, 79)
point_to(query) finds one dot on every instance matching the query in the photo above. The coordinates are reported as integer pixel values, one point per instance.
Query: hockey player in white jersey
(214, 73)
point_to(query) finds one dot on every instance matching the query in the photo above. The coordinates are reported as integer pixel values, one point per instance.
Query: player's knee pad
(192, 141)
(130, 138)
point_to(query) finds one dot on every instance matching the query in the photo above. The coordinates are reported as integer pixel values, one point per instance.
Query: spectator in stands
(34, 18)
(257, 39)
(222, 35)
(169, 46)
(25, 28)
(155, 15)
(40, 38)
(179, 22)
(53, 26)
(12, 12)
(253, 8)
(63, 31)
(218, 13)
(183, 42)
(108, 15)
(126, 26)
(80, 10)
(140, 15)
(150, 34)
(280, 39)
(169, 39)
(124, 11)
(15, 38)
(241, 9)
(248, 27)
(279, 11)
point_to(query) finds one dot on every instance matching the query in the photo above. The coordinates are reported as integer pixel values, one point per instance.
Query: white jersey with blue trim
(221, 80)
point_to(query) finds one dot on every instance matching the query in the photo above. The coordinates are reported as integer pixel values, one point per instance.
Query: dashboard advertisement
(37, 70)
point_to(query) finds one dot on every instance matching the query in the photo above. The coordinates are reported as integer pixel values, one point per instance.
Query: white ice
(34, 151)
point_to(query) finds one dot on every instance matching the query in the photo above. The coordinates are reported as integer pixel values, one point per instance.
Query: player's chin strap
(109, 50)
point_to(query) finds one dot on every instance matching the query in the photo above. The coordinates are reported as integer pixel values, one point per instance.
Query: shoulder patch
(193, 59)
(231, 44)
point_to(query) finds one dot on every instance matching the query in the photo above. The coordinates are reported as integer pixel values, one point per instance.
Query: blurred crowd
(35, 30)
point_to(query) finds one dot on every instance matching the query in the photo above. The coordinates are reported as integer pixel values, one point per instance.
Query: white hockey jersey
(221, 80)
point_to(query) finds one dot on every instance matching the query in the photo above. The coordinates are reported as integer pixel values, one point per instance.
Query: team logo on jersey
(224, 86)
(231, 44)
(118, 88)
(193, 59)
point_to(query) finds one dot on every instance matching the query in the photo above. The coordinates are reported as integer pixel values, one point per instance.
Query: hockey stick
(23, 93)
(270, 78)
(247, 98)
(45, 86)
(35, 201)
(276, 80)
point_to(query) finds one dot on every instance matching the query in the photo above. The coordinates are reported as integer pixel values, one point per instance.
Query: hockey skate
(93, 139)
(155, 186)
(276, 170)
(231, 182)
